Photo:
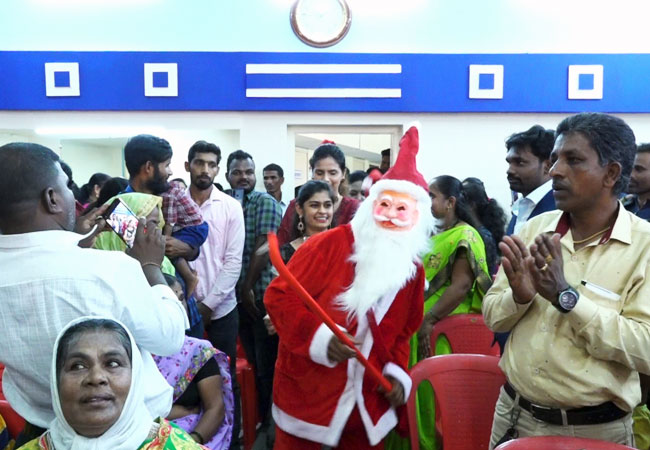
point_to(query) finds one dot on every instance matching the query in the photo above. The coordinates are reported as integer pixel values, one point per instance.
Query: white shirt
(219, 264)
(524, 206)
(46, 281)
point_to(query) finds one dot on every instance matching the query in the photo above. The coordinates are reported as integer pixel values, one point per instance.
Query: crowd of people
(132, 343)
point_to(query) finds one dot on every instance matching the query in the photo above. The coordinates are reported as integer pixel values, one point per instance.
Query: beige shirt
(592, 354)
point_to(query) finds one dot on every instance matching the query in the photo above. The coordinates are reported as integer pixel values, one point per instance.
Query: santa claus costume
(370, 282)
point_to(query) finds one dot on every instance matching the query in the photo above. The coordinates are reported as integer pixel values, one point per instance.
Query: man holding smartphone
(261, 215)
(48, 280)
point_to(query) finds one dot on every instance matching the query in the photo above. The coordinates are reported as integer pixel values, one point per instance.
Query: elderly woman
(98, 394)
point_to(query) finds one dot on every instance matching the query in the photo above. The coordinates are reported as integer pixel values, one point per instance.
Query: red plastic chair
(467, 333)
(466, 388)
(560, 443)
(246, 379)
(15, 423)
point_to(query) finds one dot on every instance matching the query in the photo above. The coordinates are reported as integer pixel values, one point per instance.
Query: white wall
(457, 144)
(405, 26)
(461, 145)
(86, 159)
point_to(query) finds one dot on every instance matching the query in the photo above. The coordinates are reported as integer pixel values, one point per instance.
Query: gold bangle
(150, 264)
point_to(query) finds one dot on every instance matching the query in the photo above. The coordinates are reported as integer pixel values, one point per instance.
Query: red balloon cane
(276, 259)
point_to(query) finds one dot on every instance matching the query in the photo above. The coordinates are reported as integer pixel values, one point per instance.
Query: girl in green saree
(457, 272)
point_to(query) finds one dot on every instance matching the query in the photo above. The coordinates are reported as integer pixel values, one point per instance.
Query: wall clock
(320, 23)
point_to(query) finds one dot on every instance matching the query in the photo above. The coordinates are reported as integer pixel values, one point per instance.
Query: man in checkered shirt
(262, 214)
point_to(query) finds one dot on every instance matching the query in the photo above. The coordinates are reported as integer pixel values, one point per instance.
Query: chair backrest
(466, 388)
(560, 443)
(467, 333)
(15, 423)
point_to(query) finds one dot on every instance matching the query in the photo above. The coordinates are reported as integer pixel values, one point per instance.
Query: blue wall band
(218, 81)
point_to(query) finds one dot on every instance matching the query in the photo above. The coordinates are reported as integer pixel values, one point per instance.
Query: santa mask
(395, 211)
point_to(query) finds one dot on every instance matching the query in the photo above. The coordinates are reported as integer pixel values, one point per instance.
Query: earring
(301, 225)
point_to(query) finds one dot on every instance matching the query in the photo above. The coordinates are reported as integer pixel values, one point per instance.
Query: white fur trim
(400, 375)
(417, 191)
(386, 422)
(328, 435)
(383, 305)
(319, 344)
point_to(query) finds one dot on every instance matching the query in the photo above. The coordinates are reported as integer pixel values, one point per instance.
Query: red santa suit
(313, 398)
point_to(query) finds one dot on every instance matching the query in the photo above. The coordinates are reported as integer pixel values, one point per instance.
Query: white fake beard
(385, 259)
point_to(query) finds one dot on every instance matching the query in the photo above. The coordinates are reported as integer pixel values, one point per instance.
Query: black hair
(71, 334)
(97, 179)
(539, 139)
(643, 148)
(111, 188)
(307, 191)
(489, 212)
(357, 175)
(76, 191)
(170, 279)
(142, 148)
(26, 170)
(275, 167)
(239, 155)
(328, 151)
(203, 147)
(452, 187)
(611, 138)
(178, 180)
(385, 152)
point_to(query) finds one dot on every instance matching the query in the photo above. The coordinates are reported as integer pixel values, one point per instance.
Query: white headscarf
(131, 428)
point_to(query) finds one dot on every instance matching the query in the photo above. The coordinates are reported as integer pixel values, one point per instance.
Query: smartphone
(238, 194)
(122, 221)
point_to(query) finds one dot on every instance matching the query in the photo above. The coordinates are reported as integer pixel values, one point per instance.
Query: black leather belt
(588, 415)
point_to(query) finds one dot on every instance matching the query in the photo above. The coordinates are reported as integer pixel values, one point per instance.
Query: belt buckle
(539, 410)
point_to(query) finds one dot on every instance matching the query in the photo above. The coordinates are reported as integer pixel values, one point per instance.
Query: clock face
(320, 23)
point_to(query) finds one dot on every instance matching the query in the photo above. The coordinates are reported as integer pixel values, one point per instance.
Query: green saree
(438, 265)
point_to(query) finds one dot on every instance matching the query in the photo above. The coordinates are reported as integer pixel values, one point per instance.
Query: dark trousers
(222, 333)
(196, 331)
(261, 352)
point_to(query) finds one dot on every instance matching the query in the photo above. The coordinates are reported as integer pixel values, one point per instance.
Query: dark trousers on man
(222, 333)
(261, 352)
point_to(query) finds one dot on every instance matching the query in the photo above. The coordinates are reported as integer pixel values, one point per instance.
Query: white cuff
(400, 375)
(319, 345)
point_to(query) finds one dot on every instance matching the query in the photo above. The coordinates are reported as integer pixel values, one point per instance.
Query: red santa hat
(404, 175)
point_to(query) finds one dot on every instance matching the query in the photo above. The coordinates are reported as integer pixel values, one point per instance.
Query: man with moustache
(368, 277)
(573, 290)
(261, 215)
(148, 160)
(528, 164)
(219, 264)
(639, 185)
(528, 161)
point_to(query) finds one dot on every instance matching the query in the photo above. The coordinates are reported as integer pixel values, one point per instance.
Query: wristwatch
(566, 300)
